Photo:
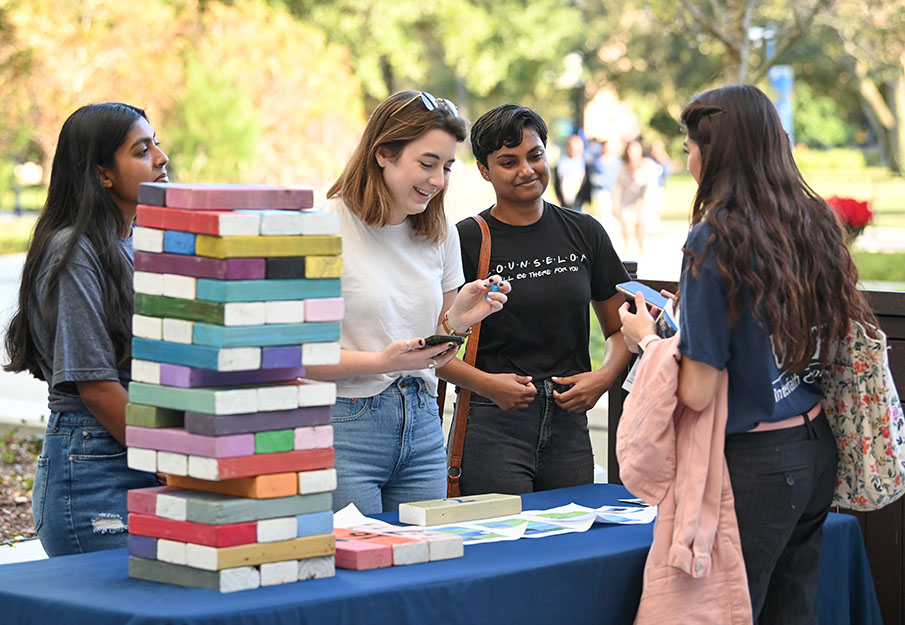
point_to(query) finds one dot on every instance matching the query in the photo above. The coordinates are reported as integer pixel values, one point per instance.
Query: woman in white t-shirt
(402, 270)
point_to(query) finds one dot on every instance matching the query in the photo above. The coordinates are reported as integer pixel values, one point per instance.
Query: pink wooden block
(234, 196)
(177, 440)
(325, 309)
(360, 555)
(314, 437)
(144, 500)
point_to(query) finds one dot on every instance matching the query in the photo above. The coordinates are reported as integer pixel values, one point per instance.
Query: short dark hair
(504, 125)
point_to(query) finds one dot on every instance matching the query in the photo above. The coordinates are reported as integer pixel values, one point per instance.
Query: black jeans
(783, 483)
(521, 451)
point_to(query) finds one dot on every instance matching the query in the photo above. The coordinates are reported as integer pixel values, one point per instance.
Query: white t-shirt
(393, 284)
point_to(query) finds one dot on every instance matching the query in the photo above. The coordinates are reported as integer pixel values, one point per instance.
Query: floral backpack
(865, 414)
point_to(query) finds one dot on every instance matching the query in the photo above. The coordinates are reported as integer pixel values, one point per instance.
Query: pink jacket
(672, 457)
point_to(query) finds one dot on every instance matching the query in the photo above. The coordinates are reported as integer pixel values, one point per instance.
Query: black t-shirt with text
(556, 266)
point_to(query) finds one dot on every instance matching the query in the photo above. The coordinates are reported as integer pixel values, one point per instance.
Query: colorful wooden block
(145, 371)
(229, 580)
(274, 441)
(323, 266)
(215, 335)
(222, 425)
(147, 283)
(277, 397)
(217, 558)
(217, 223)
(178, 331)
(440, 546)
(189, 377)
(216, 400)
(147, 327)
(280, 357)
(281, 222)
(175, 242)
(224, 196)
(314, 523)
(223, 313)
(266, 486)
(362, 555)
(152, 416)
(285, 268)
(265, 290)
(141, 459)
(313, 437)
(275, 573)
(147, 239)
(325, 309)
(218, 509)
(225, 535)
(202, 267)
(273, 530)
(172, 463)
(459, 509)
(314, 392)
(320, 481)
(320, 354)
(217, 469)
(175, 285)
(265, 247)
(316, 568)
(179, 441)
(171, 551)
(285, 311)
(142, 546)
(144, 500)
(226, 359)
(405, 550)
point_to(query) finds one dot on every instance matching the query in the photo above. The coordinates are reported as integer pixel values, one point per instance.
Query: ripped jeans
(79, 496)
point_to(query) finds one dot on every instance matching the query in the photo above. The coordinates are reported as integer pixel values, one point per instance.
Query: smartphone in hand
(438, 339)
(651, 296)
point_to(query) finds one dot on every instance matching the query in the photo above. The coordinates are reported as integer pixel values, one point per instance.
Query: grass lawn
(15, 233)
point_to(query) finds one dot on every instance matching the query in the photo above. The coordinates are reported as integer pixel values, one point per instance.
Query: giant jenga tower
(237, 289)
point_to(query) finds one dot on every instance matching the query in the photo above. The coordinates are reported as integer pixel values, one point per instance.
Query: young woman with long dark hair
(73, 327)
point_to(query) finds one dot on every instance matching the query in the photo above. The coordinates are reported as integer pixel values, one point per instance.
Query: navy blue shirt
(759, 390)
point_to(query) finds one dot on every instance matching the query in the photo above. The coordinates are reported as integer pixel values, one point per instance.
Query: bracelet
(449, 330)
(645, 341)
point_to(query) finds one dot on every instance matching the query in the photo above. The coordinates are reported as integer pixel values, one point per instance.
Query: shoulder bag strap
(454, 471)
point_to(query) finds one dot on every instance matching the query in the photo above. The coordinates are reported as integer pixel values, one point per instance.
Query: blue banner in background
(782, 79)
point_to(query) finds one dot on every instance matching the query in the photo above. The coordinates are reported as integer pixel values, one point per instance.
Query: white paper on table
(351, 516)
(626, 515)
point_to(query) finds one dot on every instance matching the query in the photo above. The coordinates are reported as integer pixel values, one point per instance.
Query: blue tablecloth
(592, 577)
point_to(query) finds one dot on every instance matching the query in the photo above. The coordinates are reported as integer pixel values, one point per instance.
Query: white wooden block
(178, 330)
(236, 401)
(320, 354)
(273, 530)
(289, 311)
(141, 459)
(170, 507)
(148, 283)
(170, 462)
(274, 573)
(240, 578)
(147, 239)
(411, 553)
(316, 393)
(237, 224)
(317, 568)
(440, 546)
(171, 551)
(321, 481)
(283, 222)
(316, 222)
(239, 359)
(277, 397)
(204, 468)
(182, 287)
(201, 557)
(245, 314)
(147, 327)
(145, 371)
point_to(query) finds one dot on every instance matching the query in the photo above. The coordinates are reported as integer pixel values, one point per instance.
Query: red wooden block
(226, 535)
(362, 555)
(215, 222)
(144, 500)
(261, 464)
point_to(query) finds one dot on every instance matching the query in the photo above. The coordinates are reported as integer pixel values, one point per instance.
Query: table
(591, 577)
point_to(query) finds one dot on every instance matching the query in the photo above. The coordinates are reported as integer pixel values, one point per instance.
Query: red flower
(852, 214)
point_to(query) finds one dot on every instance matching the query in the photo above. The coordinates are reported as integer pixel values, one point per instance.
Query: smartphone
(651, 296)
(438, 339)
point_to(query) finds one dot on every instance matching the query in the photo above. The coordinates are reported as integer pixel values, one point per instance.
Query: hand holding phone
(652, 297)
(437, 339)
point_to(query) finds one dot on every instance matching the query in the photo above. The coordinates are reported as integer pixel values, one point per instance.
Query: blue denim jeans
(389, 448)
(521, 451)
(79, 496)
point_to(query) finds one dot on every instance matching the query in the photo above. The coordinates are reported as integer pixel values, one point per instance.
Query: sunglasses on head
(430, 103)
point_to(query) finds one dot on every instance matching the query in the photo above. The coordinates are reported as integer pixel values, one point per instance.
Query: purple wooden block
(189, 377)
(222, 425)
(143, 546)
(177, 440)
(281, 356)
(324, 309)
(202, 266)
(314, 437)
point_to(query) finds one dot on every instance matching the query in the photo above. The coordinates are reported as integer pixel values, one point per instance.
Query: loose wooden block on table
(316, 568)
(213, 222)
(223, 535)
(440, 546)
(152, 416)
(267, 486)
(179, 441)
(459, 509)
(405, 550)
(214, 335)
(218, 400)
(224, 196)
(275, 222)
(325, 309)
(265, 247)
(217, 359)
(222, 313)
(202, 266)
(362, 555)
(230, 580)
(222, 425)
(217, 558)
(219, 508)
(175, 242)
(266, 290)
(218, 469)
(191, 377)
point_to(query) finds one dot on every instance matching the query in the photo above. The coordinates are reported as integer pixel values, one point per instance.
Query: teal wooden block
(216, 509)
(210, 400)
(266, 290)
(265, 335)
(274, 441)
(202, 356)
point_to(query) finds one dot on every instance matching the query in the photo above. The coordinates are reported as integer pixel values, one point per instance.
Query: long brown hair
(777, 243)
(396, 121)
